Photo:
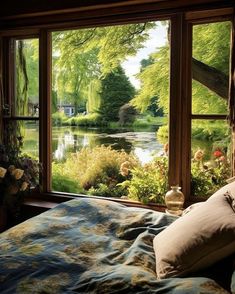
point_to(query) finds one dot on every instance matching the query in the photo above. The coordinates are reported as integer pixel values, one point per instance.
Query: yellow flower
(24, 186)
(124, 168)
(198, 155)
(17, 173)
(2, 172)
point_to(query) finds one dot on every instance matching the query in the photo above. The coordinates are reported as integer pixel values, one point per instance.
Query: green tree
(210, 62)
(116, 90)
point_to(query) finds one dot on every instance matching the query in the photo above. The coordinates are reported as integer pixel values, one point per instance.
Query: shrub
(207, 177)
(89, 120)
(100, 165)
(63, 181)
(149, 182)
(58, 118)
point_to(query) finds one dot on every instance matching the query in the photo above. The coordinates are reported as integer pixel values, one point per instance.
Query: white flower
(2, 172)
(17, 173)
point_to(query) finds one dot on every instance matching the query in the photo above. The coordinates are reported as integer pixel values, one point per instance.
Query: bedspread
(89, 246)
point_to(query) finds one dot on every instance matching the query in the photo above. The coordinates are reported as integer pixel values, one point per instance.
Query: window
(22, 107)
(211, 134)
(114, 141)
(176, 82)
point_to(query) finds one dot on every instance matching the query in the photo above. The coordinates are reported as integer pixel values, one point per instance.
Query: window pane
(30, 135)
(210, 68)
(26, 77)
(110, 111)
(211, 156)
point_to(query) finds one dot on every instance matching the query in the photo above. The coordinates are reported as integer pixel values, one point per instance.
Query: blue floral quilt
(89, 246)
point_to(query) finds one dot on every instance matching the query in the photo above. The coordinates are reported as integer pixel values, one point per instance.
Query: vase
(174, 200)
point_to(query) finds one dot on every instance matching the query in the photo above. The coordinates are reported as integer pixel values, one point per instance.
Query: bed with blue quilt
(90, 246)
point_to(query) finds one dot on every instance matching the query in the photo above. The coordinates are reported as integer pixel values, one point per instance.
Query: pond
(143, 143)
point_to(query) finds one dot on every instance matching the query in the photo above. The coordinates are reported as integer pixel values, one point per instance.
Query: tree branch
(210, 77)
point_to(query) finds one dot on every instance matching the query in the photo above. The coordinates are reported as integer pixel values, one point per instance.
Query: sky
(158, 37)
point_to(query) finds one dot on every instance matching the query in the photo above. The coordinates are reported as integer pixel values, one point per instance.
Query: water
(143, 143)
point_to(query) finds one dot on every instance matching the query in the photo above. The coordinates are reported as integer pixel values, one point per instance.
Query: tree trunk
(210, 77)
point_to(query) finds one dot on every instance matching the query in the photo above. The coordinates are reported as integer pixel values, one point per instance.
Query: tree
(116, 90)
(127, 114)
(209, 68)
(81, 56)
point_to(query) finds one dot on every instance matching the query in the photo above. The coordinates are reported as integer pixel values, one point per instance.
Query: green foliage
(210, 130)
(148, 183)
(116, 90)
(208, 177)
(58, 118)
(154, 82)
(89, 120)
(63, 181)
(94, 99)
(94, 168)
(211, 44)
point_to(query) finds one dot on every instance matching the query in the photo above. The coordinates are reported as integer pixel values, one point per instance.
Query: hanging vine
(22, 81)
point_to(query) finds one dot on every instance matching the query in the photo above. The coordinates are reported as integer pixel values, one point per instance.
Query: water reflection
(143, 144)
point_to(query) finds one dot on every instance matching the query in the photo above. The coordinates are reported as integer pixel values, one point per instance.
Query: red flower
(218, 153)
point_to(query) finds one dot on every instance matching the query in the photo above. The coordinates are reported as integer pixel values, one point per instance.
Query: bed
(90, 246)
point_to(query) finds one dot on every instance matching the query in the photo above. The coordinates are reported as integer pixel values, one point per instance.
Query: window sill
(50, 200)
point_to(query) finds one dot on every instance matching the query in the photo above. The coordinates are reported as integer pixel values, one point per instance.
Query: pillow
(227, 188)
(191, 207)
(198, 239)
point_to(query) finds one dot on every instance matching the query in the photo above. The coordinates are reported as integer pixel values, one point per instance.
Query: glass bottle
(174, 201)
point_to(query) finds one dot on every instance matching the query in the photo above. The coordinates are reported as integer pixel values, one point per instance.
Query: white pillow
(198, 239)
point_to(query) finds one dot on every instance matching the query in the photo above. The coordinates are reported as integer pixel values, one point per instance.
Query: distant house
(68, 109)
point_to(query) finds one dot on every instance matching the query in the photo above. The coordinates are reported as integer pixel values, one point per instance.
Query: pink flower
(217, 153)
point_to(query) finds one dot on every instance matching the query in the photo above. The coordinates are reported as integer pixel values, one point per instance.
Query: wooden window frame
(180, 82)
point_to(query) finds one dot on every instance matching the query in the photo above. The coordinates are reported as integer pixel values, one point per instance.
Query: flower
(198, 155)
(2, 172)
(124, 168)
(218, 153)
(17, 174)
(222, 158)
(24, 186)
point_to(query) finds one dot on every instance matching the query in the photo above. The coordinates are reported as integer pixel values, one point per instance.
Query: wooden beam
(43, 15)
(45, 152)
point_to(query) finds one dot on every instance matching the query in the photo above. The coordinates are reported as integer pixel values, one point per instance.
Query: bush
(149, 182)
(208, 177)
(58, 118)
(100, 165)
(89, 120)
(63, 181)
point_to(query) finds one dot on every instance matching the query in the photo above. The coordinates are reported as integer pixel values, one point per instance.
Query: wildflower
(166, 148)
(217, 153)
(124, 168)
(198, 155)
(222, 158)
(2, 172)
(17, 173)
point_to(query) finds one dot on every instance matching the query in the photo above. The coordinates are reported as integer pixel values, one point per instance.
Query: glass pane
(110, 116)
(211, 156)
(27, 77)
(30, 138)
(210, 68)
